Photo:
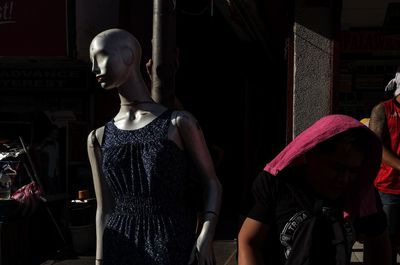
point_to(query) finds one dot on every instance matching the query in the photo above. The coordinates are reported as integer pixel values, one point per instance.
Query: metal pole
(1, 256)
(164, 52)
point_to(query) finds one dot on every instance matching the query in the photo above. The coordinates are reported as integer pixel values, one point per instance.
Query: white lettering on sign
(7, 12)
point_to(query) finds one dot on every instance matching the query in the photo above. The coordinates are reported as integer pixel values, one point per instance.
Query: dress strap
(94, 139)
(165, 122)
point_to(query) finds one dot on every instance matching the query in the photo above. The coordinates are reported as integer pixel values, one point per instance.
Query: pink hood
(361, 202)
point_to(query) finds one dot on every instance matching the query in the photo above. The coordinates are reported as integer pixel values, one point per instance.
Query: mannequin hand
(203, 251)
(149, 66)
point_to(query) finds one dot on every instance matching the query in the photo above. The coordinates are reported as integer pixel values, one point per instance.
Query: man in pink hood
(316, 198)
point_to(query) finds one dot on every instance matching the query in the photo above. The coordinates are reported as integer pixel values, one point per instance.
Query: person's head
(333, 166)
(393, 87)
(342, 157)
(115, 55)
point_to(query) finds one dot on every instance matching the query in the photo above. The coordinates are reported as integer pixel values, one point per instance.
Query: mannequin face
(331, 174)
(107, 63)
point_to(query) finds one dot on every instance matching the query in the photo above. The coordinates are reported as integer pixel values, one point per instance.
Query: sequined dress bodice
(147, 174)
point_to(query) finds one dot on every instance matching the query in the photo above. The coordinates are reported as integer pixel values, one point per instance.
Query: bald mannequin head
(115, 56)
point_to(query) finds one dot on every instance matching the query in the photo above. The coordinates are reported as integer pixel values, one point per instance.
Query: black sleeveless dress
(153, 221)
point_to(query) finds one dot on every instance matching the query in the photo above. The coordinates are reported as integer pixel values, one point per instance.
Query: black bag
(323, 237)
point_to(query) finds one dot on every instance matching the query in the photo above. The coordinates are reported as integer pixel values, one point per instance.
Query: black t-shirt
(276, 203)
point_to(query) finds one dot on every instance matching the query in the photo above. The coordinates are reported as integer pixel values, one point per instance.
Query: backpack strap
(316, 210)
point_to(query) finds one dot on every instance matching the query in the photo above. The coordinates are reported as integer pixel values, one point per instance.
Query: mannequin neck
(137, 103)
(134, 93)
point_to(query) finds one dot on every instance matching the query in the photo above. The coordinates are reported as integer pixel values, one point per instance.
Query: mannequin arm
(103, 196)
(378, 125)
(195, 144)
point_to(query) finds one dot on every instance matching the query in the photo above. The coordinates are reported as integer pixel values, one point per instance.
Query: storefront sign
(368, 41)
(34, 79)
(33, 28)
(7, 12)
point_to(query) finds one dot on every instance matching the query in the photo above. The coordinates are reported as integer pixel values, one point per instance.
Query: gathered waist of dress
(148, 205)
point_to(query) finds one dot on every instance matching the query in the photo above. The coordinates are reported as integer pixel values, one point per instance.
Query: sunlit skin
(330, 175)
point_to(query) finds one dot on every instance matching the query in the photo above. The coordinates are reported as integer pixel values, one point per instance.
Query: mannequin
(139, 163)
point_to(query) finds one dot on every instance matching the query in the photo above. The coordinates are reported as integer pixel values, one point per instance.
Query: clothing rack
(36, 179)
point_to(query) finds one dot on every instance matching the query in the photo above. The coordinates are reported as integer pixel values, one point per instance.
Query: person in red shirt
(385, 122)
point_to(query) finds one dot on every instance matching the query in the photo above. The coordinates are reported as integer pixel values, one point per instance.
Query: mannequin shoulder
(183, 119)
(95, 137)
